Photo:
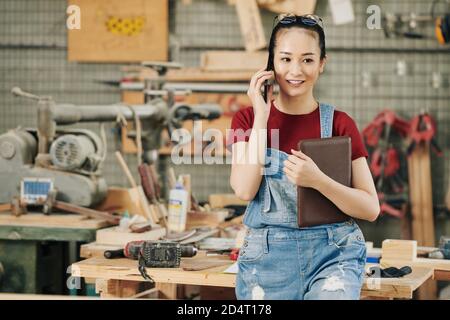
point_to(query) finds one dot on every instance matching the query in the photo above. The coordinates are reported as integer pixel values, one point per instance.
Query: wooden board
(233, 60)
(123, 199)
(294, 6)
(115, 236)
(251, 25)
(402, 288)
(220, 200)
(51, 221)
(94, 249)
(118, 31)
(419, 174)
(198, 75)
(127, 269)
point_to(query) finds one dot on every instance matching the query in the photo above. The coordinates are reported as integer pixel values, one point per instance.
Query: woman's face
(297, 61)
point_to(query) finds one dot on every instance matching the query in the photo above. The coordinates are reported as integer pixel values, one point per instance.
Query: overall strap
(326, 120)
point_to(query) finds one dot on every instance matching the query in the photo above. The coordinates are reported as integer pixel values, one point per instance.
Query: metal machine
(72, 158)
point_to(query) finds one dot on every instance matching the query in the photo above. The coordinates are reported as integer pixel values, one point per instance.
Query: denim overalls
(279, 260)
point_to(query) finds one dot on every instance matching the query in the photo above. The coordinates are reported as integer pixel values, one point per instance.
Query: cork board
(120, 31)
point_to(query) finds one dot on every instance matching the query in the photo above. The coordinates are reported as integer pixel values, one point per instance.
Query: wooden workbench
(36, 249)
(112, 274)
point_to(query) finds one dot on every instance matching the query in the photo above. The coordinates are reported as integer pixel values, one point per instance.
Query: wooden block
(116, 288)
(121, 200)
(133, 97)
(399, 250)
(115, 31)
(427, 196)
(419, 174)
(220, 200)
(115, 236)
(209, 219)
(233, 60)
(251, 26)
(167, 290)
(297, 7)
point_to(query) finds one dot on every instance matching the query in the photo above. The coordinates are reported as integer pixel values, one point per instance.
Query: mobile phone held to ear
(266, 90)
(267, 84)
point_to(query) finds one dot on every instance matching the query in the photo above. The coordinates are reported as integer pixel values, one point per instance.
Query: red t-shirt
(293, 128)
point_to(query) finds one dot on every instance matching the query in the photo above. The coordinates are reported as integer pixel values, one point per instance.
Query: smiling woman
(309, 262)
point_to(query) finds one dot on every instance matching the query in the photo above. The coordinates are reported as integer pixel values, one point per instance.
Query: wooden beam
(295, 6)
(251, 25)
(233, 60)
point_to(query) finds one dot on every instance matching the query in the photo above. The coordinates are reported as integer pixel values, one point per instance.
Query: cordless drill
(153, 254)
(157, 254)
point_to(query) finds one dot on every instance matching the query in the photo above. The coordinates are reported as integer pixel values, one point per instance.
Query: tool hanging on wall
(408, 25)
(442, 24)
(423, 130)
(385, 161)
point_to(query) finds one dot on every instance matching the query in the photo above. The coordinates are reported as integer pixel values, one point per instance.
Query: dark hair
(279, 26)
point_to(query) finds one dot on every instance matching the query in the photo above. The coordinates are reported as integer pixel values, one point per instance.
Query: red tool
(234, 254)
(384, 120)
(423, 129)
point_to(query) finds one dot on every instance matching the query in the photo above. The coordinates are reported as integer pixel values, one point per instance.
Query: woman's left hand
(301, 170)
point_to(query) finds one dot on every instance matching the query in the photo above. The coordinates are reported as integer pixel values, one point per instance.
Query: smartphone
(267, 83)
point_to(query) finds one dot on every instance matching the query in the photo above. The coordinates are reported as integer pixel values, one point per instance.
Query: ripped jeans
(318, 263)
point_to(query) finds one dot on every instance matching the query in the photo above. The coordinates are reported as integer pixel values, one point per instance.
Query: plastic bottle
(178, 207)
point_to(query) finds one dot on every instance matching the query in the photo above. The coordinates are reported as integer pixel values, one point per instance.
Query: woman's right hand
(260, 107)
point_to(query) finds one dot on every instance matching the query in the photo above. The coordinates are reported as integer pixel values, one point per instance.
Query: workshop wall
(33, 55)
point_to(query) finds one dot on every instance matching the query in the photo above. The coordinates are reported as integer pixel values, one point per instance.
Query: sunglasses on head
(308, 19)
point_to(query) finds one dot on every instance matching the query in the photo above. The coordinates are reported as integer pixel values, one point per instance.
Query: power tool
(154, 254)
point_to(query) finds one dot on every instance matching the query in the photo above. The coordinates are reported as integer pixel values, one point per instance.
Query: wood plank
(40, 233)
(422, 206)
(434, 264)
(95, 249)
(251, 25)
(131, 200)
(126, 269)
(198, 75)
(51, 221)
(220, 200)
(210, 219)
(396, 287)
(233, 60)
(297, 7)
(115, 31)
(167, 290)
(441, 275)
(115, 236)
(415, 198)
(427, 196)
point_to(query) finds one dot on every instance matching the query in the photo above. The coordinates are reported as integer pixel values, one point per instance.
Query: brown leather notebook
(333, 157)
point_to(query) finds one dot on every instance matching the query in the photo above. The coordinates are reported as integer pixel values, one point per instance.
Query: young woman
(279, 260)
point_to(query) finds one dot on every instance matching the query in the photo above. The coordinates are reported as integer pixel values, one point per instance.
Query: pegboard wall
(33, 55)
